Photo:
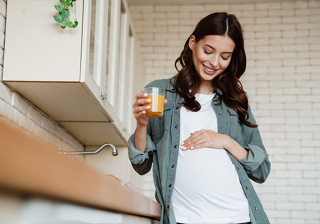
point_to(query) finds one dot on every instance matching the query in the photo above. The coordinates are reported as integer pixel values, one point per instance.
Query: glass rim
(154, 88)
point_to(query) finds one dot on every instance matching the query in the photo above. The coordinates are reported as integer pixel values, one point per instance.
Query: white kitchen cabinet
(82, 77)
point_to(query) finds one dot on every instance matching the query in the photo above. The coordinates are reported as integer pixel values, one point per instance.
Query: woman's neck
(205, 88)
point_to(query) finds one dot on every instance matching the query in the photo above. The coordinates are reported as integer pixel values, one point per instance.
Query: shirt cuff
(135, 155)
(254, 159)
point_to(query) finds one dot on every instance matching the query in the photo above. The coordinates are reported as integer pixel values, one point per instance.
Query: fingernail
(192, 147)
(182, 143)
(148, 107)
(184, 147)
(148, 100)
(146, 94)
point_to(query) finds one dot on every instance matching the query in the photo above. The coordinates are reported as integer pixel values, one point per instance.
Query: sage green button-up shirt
(162, 149)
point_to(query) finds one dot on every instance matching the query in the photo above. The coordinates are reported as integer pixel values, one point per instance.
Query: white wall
(282, 41)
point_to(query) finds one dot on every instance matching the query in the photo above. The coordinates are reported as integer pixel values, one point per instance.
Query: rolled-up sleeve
(140, 160)
(256, 164)
(135, 155)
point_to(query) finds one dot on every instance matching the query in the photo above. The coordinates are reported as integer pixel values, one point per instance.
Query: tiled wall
(24, 114)
(282, 41)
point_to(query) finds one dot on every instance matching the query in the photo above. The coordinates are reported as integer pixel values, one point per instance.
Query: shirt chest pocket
(162, 123)
(234, 125)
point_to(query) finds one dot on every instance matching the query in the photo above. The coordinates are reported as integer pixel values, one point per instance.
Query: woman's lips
(207, 71)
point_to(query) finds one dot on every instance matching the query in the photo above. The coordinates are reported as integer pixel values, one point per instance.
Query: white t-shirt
(207, 188)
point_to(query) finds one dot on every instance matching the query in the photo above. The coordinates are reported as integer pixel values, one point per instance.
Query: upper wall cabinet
(82, 77)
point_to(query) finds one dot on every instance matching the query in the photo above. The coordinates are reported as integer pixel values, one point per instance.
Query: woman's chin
(206, 77)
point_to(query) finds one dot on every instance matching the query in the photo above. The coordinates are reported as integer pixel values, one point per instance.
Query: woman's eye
(207, 52)
(225, 58)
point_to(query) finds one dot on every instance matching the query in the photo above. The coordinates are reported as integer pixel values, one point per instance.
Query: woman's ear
(192, 42)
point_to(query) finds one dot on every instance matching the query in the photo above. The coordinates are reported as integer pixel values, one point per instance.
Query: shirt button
(170, 185)
(238, 168)
(177, 108)
(168, 206)
(175, 146)
(176, 126)
(220, 113)
(255, 208)
(247, 188)
(172, 166)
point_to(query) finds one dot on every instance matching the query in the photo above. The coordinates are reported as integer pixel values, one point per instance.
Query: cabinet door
(93, 47)
(113, 52)
(118, 61)
(111, 57)
(124, 82)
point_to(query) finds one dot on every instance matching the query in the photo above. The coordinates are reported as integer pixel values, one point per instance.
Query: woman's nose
(214, 61)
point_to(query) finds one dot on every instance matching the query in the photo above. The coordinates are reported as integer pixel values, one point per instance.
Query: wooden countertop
(30, 165)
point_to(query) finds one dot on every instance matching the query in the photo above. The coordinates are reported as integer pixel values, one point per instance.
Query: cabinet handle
(104, 96)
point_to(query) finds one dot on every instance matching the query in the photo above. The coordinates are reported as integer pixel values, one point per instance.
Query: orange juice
(156, 106)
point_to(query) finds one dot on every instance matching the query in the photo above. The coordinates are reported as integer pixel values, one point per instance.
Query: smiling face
(211, 55)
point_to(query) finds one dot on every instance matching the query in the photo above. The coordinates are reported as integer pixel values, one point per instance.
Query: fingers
(140, 109)
(143, 101)
(193, 142)
(140, 102)
(141, 95)
(197, 140)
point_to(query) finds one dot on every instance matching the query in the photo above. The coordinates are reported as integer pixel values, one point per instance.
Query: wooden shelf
(32, 166)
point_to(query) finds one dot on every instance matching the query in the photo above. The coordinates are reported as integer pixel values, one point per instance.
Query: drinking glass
(157, 101)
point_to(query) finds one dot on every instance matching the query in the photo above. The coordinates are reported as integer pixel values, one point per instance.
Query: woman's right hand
(139, 110)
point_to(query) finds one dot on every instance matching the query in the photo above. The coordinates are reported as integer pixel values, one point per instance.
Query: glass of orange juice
(157, 101)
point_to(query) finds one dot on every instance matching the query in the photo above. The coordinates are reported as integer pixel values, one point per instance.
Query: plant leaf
(61, 1)
(62, 24)
(63, 15)
(58, 19)
(75, 24)
(68, 2)
(68, 20)
(70, 24)
(67, 13)
(58, 8)
(63, 27)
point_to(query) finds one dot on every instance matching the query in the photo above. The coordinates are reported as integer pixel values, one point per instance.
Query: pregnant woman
(207, 145)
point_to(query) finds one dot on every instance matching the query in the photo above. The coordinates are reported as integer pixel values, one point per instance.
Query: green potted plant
(64, 13)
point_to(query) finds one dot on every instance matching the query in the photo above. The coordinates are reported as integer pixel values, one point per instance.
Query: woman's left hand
(205, 139)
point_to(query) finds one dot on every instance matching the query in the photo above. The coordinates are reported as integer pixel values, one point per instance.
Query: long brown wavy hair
(228, 82)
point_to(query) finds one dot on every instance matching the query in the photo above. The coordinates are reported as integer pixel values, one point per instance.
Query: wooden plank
(29, 165)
